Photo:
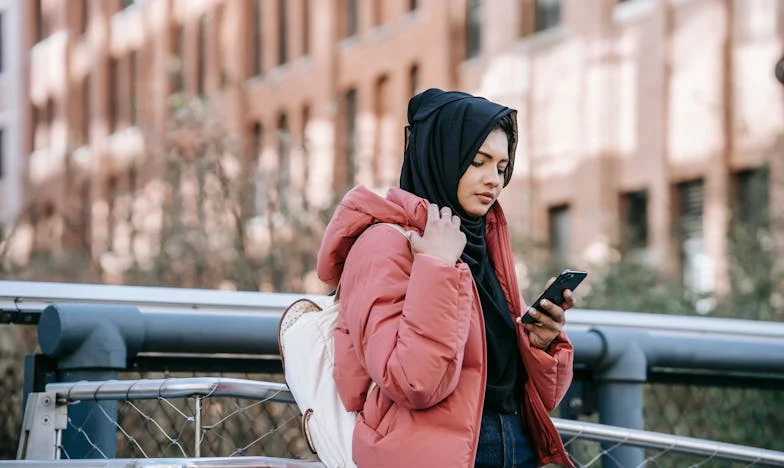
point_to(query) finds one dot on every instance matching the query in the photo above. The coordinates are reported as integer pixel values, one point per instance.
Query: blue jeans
(503, 443)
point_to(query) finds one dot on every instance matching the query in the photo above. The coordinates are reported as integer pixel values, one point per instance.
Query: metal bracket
(42, 427)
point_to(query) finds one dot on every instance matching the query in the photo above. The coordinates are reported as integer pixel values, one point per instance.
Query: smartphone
(568, 279)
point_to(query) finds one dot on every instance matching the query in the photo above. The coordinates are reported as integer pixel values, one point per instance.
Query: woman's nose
(493, 178)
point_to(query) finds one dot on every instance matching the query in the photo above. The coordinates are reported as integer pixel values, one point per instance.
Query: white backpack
(306, 337)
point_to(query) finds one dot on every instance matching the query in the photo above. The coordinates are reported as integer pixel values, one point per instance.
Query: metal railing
(23, 301)
(575, 433)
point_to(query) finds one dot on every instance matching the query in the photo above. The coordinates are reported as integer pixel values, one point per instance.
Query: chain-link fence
(207, 426)
(744, 416)
(593, 454)
(223, 417)
(15, 342)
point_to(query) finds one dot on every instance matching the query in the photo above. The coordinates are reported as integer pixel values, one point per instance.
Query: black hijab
(445, 131)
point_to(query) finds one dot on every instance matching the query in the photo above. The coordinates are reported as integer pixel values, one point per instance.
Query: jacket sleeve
(550, 371)
(408, 322)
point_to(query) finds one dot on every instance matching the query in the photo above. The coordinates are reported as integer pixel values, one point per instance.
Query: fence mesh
(241, 427)
(743, 416)
(223, 426)
(170, 427)
(591, 454)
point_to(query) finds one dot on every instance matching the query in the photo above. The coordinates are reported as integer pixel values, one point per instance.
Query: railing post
(90, 342)
(619, 381)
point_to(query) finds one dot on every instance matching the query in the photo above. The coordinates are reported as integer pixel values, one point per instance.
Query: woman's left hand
(542, 334)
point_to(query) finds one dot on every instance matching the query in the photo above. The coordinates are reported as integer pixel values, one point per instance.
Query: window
(41, 21)
(696, 264)
(305, 154)
(634, 219)
(413, 80)
(752, 199)
(2, 152)
(473, 28)
(113, 102)
(282, 33)
(132, 84)
(2, 45)
(381, 105)
(306, 27)
(284, 163)
(560, 234)
(86, 110)
(256, 38)
(178, 74)
(548, 14)
(202, 56)
(257, 145)
(84, 17)
(351, 18)
(351, 130)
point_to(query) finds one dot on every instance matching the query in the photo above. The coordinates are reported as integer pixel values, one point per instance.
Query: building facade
(643, 123)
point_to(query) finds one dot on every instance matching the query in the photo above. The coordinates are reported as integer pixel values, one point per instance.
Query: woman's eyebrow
(489, 156)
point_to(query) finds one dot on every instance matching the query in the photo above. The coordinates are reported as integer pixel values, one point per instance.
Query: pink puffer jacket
(414, 325)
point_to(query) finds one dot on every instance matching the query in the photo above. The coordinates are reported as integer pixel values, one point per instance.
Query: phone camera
(570, 276)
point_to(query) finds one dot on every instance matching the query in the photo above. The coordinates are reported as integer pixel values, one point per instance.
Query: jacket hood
(359, 209)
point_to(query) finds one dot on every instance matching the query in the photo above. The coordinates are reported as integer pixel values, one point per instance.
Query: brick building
(636, 116)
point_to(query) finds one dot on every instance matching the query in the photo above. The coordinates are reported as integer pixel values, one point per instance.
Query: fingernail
(544, 302)
(533, 312)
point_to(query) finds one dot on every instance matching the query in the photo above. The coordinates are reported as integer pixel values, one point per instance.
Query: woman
(433, 320)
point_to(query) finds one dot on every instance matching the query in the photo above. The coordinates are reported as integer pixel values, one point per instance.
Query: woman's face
(483, 181)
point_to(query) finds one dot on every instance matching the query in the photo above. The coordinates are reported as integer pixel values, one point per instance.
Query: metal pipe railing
(22, 301)
(270, 391)
(152, 389)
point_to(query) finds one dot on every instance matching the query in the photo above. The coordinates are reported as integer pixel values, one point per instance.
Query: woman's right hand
(442, 237)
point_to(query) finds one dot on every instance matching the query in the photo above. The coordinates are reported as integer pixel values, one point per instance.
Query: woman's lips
(485, 198)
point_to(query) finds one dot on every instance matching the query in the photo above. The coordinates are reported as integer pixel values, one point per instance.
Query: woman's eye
(502, 170)
(476, 163)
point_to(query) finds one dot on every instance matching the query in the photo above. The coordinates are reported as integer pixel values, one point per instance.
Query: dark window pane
(351, 144)
(634, 218)
(473, 28)
(2, 152)
(259, 182)
(548, 14)
(284, 163)
(2, 43)
(282, 33)
(351, 18)
(202, 57)
(84, 17)
(752, 198)
(413, 80)
(132, 84)
(560, 233)
(86, 110)
(696, 265)
(256, 38)
(306, 27)
(113, 104)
